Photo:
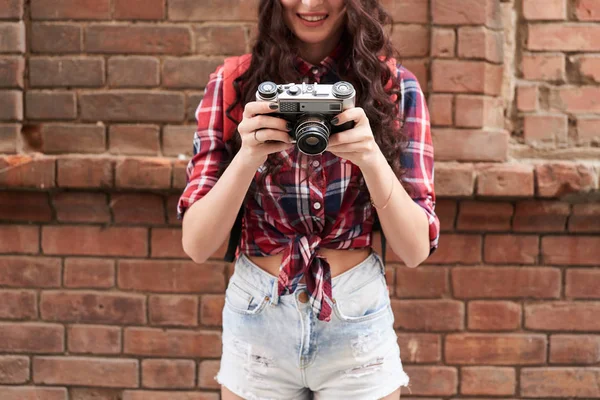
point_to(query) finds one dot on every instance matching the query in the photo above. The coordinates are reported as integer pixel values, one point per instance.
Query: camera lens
(312, 134)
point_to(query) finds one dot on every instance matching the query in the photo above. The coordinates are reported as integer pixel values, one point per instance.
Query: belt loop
(275, 292)
(380, 262)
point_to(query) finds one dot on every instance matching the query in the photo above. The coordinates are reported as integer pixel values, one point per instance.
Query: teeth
(313, 19)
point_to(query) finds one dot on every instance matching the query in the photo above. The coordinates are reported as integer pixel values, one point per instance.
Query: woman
(307, 308)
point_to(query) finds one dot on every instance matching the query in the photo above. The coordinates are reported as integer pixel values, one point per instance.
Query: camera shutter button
(294, 90)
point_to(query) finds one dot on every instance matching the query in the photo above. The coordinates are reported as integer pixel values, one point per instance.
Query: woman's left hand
(356, 144)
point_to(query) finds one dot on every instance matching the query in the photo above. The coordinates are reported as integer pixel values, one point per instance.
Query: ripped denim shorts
(283, 352)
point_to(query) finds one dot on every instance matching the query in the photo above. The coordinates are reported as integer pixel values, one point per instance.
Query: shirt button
(317, 206)
(315, 70)
(315, 163)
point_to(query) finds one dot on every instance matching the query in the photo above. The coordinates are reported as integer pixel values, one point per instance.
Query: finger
(356, 147)
(276, 147)
(263, 135)
(265, 121)
(348, 136)
(258, 107)
(356, 114)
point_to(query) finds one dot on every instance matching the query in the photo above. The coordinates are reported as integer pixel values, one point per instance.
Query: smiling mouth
(312, 18)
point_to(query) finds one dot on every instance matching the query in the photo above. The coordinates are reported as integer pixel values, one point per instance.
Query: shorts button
(303, 297)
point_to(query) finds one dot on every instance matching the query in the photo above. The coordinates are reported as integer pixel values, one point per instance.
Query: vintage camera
(310, 108)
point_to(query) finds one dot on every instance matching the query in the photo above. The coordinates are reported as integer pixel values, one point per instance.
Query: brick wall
(98, 300)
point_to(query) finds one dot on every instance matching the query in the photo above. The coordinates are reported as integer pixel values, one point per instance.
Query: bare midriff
(339, 260)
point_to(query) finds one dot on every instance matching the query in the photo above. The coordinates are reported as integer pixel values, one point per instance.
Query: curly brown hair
(366, 70)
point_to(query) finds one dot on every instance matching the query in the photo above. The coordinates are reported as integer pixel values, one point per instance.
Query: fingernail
(335, 120)
(273, 106)
(289, 125)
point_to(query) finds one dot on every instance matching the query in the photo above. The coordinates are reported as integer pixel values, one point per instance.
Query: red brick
(134, 139)
(411, 40)
(540, 215)
(70, 9)
(220, 39)
(441, 109)
(587, 10)
(189, 72)
(19, 239)
(494, 315)
(73, 138)
(17, 304)
(467, 12)
(193, 100)
(8, 137)
(95, 241)
(29, 271)
(413, 11)
(429, 315)
(13, 37)
(454, 179)
(24, 171)
(172, 201)
(138, 39)
(140, 71)
(563, 37)
(94, 307)
(575, 100)
(484, 216)
(458, 248)
(211, 310)
(102, 372)
(420, 68)
(420, 347)
(527, 97)
(495, 349)
(476, 145)
(172, 343)
(56, 38)
(162, 395)
(571, 250)
(12, 70)
(95, 394)
(545, 9)
(11, 9)
(558, 179)
(13, 369)
(560, 382)
(139, 9)
(546, 130)
(31, 337)
(166, 243)
(424, 282)
(168, 374)
(461, 76)
(446, 211)
(66, 72)
(24, 206)
(582, 283)
(171, 276)
(563, 316)
(116, 106)
(585, 218)
(89, 273)
(479, 42)
(587, 131)
(32, 393)
(78, 173)
(177, 140)
(421, 378)
(143, 173)
(443, 43)
(207, 370)
(509, 180)
(574, 349)
(137, 208)
(94, 339)
(492, 282)
(544, 67)
(488, 381)
(51, 105)
(473, 111)
(81, 207)
(511, 249)
(11, 105)
(233, 10)
(173, 310)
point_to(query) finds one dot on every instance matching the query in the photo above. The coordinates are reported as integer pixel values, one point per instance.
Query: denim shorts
(279, 350)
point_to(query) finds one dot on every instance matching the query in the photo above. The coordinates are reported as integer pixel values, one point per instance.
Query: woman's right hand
(256, 129)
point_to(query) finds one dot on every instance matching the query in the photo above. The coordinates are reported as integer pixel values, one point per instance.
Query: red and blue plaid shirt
(322, 205)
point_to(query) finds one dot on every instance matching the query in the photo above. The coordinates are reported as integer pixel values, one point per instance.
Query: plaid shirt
(321, 205)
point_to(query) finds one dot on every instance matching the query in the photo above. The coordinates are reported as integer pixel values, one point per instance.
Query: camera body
(310, 108)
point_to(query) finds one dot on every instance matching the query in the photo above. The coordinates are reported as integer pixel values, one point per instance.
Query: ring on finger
(255, 137)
